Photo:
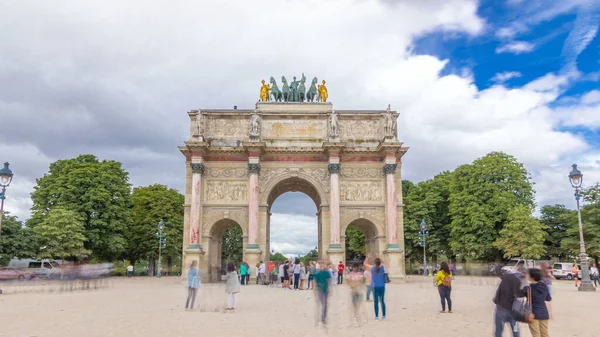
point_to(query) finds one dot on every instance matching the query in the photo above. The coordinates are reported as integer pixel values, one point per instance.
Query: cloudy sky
(115, 79)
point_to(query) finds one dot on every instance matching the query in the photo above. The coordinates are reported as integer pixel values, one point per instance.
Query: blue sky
(468, 77)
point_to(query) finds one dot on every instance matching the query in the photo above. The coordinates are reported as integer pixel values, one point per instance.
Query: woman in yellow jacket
(443, 280)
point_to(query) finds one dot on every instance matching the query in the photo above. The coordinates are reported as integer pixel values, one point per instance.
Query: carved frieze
(227, 172)
(361, 191)
(360, 172)
(360, 129)
(290, 129)
(212, 216)
(218, 127)
(269, 174)
(219, 190)
(376, 216)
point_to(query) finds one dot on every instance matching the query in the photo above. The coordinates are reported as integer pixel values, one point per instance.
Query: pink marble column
(253, 171)
(391, 231)
(195, 223)
(334, 204)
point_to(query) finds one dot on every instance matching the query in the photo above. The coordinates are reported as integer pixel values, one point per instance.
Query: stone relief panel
(360, 129)
(376, 216)
(269, 174)
(218, 127)
(294, 129)
(361, 172)
(361, 191)
(227, 172)
(226, 190)
(212, 215)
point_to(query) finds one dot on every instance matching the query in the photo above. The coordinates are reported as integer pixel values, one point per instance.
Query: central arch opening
(294, 221)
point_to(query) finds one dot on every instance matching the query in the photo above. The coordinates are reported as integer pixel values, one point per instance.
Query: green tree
(481, 196)
(61, 235)
(356, 246)
(590, 215)
(16, 241)
(232, 245)
(523, 235)
(313, 255)
(150, 205)
(428, 201)
(98, 191)
(407, 188)
(591, 195)
(557, 219)
(278, 257)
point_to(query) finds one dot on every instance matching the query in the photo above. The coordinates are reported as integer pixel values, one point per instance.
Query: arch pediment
(312, 181)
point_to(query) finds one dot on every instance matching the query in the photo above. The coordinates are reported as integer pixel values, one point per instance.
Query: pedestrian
(575, 273)
(129, 270)
(243, 273)
(355, 281)
(322, 280)
(378, 277)
(270, 269)
(594, 273)
(537, 295)
(311, 274)
(547, 278)
(282, 273)
(297, 269)
(508, 290)
(443, 280)
(302, 275)
(286, 275)
(193, 279)
(232, 287)
(368, 282)
(275, 275)
(340, 272)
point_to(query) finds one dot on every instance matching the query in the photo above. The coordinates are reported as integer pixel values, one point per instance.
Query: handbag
(521, 310)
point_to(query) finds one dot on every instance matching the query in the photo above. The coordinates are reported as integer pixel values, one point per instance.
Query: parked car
(41, 268)
(9, 273)
(516, 262)
(563, 270)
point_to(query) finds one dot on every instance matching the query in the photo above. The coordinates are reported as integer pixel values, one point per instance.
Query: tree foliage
(278, 257)
(523, 235)
(232, 245)
(557, 219)
(591, 195)
(16, 240)
(590, 215)
(355, 243)
(98, 191)
(150, 205)
(61, 235)
(313, 255)
(481, 197)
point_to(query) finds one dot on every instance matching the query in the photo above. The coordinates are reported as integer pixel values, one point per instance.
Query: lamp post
(576, 179)
(424, 233)
(6, 176)
(162, 243)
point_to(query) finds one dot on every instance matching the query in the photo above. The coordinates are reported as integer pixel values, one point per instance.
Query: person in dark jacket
(508, 290)
(539, 296)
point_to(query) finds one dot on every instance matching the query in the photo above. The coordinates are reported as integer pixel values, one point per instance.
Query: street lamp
(424, 233)
(6, 176)
(162, 244)
(576, 179)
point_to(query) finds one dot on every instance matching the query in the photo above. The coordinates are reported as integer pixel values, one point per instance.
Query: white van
(515, 263)
(563, 270)
(41, 268)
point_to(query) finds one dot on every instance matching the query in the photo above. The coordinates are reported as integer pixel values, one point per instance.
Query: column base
(394, 258)
(203, 267)
(252, 246)
(335, 253)
(588, 287)
(252, 257)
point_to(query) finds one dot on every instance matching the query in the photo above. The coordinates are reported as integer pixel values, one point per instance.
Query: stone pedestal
(252, 257)
(394, 264)
(191, 255)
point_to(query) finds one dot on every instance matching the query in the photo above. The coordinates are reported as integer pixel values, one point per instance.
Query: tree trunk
(169, 264)
(151, 266)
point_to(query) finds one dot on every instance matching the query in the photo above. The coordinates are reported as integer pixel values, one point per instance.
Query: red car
(9, 273)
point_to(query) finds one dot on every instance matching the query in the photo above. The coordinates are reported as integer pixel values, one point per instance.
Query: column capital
(389, 168)
(197, 168)
(334, 168)
(253, 168)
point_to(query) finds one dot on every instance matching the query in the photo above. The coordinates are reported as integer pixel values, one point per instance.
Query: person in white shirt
(281, 277)
(129, 271)
(594, 273)
(261, 272)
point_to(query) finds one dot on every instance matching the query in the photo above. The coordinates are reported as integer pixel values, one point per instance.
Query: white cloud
(584, 30)
(293, 234)
(516, 47)
(505, 76)
(583, 113)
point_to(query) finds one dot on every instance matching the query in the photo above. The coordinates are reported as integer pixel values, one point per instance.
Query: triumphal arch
(238, 161)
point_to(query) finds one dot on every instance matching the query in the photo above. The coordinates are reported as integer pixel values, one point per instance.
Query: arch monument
(239, 161)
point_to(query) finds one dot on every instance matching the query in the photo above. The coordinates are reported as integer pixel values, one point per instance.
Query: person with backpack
(537, 295)
(443, 280)
(508, 290)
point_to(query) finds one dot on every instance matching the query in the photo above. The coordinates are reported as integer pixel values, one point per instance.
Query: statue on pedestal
(294, 95)
(255, 126)
(390, 124)
(264, 92)
(334, 126)
(199, 129)
(323, 92)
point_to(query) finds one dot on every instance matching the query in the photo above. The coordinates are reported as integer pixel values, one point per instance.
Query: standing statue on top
(199, 129)
(390, 124)
(334, 126)
(254, 126)
(294, 94)
(322, 92)
(302, 89)
(264, 91)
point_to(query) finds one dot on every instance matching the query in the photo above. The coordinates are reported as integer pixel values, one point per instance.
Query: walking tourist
(547, 278)
(378, 277)
(311, 274)
(340, 272)
(275, 275)
(355, 281)
(575, 273)
(508, 290)
(291, 273)
(129, 270)
(302, 275)
(232, 287)
(594, 273)
(243, 273)
(286, 275)
(443, 280)
(537, 295)
(368, 282)
(282, 273)
(262, 269)
(270, 268)
(193, 279)
(297, 269)
(322, 280)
